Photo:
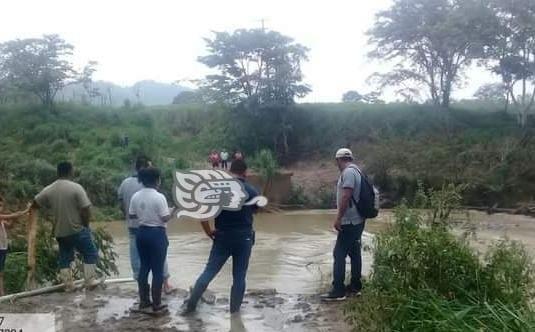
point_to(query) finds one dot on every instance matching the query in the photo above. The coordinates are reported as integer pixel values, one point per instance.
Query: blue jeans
(348, 243)
(237, 244)
(152, 245)
(134, 255)
(82, 242)
(3, 255)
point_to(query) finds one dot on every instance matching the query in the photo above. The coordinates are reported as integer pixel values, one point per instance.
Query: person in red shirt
(213, 158)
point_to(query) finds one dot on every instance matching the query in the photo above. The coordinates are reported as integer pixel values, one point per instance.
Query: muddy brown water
(292, 253)
(293, 250)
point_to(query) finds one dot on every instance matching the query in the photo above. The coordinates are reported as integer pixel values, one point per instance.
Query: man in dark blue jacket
(233, 237)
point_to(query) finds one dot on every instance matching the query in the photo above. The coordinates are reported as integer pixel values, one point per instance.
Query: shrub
(266, 164)
(325, 198)
(297, 196)
(47, 258)
(426, 279)
(509, 273)
(15, 272)
(409, 256)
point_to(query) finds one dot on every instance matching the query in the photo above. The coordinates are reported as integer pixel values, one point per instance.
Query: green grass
(426, 279)
(398, 145)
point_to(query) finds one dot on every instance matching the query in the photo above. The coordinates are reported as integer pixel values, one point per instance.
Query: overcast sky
(135, 40)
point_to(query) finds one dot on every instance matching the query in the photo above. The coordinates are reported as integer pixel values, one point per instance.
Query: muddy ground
(109, 310)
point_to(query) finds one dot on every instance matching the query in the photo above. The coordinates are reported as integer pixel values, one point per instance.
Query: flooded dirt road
(290, 265)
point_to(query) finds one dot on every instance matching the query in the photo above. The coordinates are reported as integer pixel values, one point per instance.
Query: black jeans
(236, 244)
(348, 243)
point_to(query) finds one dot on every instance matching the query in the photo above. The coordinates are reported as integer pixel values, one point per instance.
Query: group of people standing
(147, 214)
(221, 159)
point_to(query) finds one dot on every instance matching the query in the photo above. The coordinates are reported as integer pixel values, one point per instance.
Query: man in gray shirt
(70, 206)
(127, 189)
(349, 224)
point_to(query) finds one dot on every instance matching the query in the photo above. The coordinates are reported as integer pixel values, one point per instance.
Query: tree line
(39, 67)
(432, 42)
(257, 72)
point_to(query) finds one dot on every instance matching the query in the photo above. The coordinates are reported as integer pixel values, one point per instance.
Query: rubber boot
(144, 298)
(66, 278)
(90, 276)
(158, 308)
(156, 296)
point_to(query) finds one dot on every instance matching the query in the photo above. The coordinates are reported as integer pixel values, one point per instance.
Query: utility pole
(263, 24)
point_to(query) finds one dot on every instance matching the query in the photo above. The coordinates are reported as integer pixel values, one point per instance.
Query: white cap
(344, 153)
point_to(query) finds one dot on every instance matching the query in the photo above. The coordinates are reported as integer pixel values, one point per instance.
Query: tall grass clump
(426, 279)
(266, 164)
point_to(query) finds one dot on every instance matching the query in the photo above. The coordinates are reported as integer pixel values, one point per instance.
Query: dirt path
(109, 310)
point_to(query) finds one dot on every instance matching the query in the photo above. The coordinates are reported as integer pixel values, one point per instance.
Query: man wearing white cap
(349, 224)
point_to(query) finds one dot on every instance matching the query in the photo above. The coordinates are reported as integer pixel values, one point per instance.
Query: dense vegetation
(398, 144)
(426, 279)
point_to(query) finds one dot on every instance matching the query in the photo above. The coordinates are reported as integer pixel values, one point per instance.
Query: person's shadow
(236, 323)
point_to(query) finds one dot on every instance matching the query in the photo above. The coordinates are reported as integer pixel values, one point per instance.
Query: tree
(351, 96)
(493, 92)
(512, 51)
(188, 97)
(256, 63)
(433, 40)
(259, 72)
(87, 81)
(39, 66)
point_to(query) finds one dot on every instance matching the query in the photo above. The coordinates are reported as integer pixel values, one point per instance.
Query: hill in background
(148, 92)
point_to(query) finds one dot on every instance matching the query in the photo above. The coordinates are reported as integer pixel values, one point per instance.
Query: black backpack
(368, 204)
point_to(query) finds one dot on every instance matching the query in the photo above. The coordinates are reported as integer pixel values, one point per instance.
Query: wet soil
(109, 310)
